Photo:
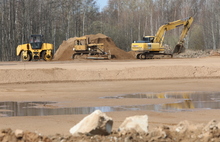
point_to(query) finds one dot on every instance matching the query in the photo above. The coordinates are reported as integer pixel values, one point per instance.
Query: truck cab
(36, 41)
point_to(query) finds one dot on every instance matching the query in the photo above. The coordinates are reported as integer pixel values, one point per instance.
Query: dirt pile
(65, 50)
(215, 52)
(184, 131)
(197, 53)
(7, 135)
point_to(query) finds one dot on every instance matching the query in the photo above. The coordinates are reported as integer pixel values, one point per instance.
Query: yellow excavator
(36, 49)
(152, 45)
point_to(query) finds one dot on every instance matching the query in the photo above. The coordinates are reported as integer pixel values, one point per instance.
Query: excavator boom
(172, 25)
(186, 29)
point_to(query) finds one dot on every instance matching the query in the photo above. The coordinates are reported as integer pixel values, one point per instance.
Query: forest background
(122, 20)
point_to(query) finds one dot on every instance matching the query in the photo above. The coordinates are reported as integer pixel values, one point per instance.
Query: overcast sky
(102, 3)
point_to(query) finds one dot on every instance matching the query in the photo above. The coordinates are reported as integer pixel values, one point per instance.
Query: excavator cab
(36, 41)
(148, 39)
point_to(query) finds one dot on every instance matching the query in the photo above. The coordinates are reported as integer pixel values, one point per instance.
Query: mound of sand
(65, 50)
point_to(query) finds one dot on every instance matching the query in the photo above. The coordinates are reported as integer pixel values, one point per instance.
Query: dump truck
(83, 47)
(36, 49)
(153, 45)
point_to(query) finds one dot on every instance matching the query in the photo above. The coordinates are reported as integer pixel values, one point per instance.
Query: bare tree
(122, 20)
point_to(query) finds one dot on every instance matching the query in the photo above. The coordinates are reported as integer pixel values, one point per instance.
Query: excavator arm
(179, 48)
(172, 25)
(185, 29)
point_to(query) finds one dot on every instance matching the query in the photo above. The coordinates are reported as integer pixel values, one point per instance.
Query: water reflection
(186, 101)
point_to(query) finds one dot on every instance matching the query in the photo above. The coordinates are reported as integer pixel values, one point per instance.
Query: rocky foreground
(133, 129)
(162, 134)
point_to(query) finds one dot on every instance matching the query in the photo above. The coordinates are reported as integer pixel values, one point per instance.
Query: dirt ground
(83, 83)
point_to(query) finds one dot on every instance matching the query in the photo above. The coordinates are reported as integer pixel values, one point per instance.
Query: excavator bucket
(179, 48)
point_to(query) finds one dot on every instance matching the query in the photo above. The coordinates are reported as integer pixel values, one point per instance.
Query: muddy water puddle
(185, 101)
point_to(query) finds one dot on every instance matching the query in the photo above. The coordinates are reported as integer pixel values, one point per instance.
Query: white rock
(19, 133)
(97, 123)
(182, 126)
(218, 125)
(136, 123)
(185, 126)
(211, 125)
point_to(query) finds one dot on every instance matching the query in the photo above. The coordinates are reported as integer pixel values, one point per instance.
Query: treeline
(122, 20)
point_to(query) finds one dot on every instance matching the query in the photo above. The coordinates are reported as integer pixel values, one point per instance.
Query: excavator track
(148, 55)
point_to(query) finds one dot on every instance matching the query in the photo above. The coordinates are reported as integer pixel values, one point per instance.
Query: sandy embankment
(117, 70)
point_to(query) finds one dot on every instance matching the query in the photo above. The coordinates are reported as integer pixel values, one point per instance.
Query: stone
(218, 125)
(158, 133)
(213, 124)
(214, 53)
(97, 123)
(182, 126)
(19, 133)
(137, 123)
(186, 126)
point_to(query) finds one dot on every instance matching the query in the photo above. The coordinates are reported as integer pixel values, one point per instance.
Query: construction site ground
(83, 83)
